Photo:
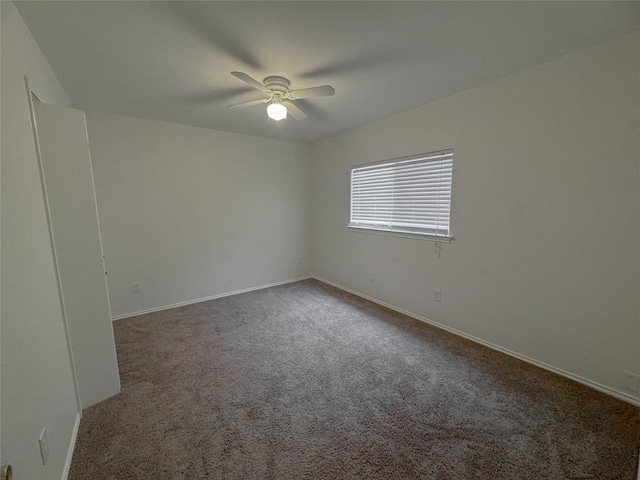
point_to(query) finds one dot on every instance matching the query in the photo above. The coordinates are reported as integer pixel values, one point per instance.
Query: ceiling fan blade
(357, 65)
(251, 81)
(200, 19)
(217, 95)
(322, 91)
(250, 103)
(294, 111)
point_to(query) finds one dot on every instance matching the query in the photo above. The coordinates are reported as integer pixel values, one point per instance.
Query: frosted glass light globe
(276, 111)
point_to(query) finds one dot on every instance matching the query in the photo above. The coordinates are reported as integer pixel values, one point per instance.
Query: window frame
(400, 232)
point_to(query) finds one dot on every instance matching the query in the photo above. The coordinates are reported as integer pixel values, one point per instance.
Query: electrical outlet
(631, 381)
(135, 287)
(437, 295)
(372, 277)
(44, 446)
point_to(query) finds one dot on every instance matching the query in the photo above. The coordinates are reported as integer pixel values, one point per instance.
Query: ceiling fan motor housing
(277, 84)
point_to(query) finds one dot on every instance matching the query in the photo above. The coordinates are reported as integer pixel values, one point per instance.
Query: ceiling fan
(278, 96)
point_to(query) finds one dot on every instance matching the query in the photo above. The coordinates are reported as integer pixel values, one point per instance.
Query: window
(405, 195)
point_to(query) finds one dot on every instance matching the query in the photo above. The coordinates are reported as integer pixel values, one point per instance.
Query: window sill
(391, 233)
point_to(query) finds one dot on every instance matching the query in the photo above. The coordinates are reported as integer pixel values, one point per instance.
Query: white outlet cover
(437, 295)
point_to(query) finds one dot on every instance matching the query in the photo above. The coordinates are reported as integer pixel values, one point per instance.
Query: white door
(68, 178)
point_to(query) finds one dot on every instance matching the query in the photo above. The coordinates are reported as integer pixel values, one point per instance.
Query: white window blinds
(408, 195)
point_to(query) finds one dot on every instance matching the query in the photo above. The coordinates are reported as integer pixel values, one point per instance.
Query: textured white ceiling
(170, 61)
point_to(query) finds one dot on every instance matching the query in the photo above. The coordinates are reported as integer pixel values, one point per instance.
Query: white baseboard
(205, 299)
(72, 446)
(589, 383)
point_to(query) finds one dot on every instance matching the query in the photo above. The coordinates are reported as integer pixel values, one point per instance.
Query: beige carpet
(306, 381)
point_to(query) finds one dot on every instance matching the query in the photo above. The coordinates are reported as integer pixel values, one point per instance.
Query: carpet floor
(307, 381)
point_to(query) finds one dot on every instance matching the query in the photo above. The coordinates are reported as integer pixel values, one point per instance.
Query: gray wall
(191, 213)
(37, 380)
(545, 213)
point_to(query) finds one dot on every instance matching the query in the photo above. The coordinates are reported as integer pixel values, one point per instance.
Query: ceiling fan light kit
(278, 96)
(276, 111)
